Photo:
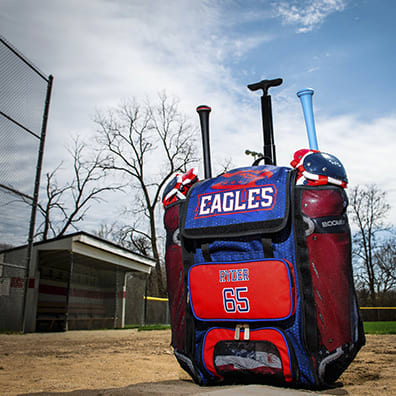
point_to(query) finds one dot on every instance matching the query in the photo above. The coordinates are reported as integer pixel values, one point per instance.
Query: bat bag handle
(266, 112)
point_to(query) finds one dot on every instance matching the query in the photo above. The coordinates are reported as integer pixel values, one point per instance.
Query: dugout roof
(97, 249)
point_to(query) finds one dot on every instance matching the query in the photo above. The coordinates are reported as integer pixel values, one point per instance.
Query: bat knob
(305, 91)
(203, 108)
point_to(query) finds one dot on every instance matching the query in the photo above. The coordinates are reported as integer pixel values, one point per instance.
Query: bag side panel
(175, 277)
(330, 281)
(324, 246)
(182, 323)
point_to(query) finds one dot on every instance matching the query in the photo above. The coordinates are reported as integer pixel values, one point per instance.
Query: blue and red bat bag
(260, 280)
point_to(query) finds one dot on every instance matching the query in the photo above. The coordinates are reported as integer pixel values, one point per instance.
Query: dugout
(77, 281)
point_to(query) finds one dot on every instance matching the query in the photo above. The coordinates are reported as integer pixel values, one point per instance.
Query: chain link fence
(11, 295)
(24, 104)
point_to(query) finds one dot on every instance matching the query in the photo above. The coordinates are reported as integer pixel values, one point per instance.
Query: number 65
(233, 301)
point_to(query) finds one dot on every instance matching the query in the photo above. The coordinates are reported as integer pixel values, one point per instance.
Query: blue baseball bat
(305, 96)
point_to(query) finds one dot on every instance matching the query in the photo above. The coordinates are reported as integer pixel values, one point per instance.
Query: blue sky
(206, 52)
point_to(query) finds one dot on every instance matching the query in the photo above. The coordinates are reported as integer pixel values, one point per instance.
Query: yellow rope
(377, 307)
(155, 298)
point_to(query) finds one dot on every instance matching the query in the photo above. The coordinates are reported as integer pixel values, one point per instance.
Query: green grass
(154, 327)
(148, 327)
(379, 327)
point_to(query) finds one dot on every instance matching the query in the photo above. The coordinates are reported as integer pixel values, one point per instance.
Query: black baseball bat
(203, 112)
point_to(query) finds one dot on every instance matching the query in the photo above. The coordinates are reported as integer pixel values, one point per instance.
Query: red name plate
(250, 290)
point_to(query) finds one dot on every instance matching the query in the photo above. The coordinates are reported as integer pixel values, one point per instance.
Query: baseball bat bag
(260, 283)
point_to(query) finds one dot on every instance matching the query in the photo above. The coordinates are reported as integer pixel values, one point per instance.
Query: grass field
(148, 327)
(379, 327)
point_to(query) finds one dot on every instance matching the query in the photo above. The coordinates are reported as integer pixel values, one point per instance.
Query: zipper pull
(237, 332)
(246, 332)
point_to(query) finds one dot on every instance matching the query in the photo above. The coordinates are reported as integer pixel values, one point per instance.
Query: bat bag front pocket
(253, 290)
(263, 354)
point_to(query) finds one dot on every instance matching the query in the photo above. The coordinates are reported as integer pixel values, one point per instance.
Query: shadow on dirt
(170, 387)
(186, 387)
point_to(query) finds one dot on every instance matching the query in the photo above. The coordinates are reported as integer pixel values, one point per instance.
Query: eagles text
(234, 201)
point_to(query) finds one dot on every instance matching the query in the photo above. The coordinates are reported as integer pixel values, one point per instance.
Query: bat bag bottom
(245, 355)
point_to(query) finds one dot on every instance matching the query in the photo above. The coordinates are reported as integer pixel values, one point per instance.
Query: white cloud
(102, 52)
(308, 14)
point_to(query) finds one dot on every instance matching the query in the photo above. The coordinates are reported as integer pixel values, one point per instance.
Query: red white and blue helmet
(317, 168)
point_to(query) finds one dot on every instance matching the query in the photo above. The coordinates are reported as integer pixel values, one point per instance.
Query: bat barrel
(203, 112)
(305, 96)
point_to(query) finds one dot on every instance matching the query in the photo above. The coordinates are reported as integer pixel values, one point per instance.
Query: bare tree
(385, 259)
(51, 206)
(225, 165)
(126, 237)
(107, 231)
(369, 209)
(67, 204)
(146, 144)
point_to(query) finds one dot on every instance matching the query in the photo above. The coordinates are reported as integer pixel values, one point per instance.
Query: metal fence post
(35, 199)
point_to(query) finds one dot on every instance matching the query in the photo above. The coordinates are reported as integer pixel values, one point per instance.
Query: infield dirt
(128, 362)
